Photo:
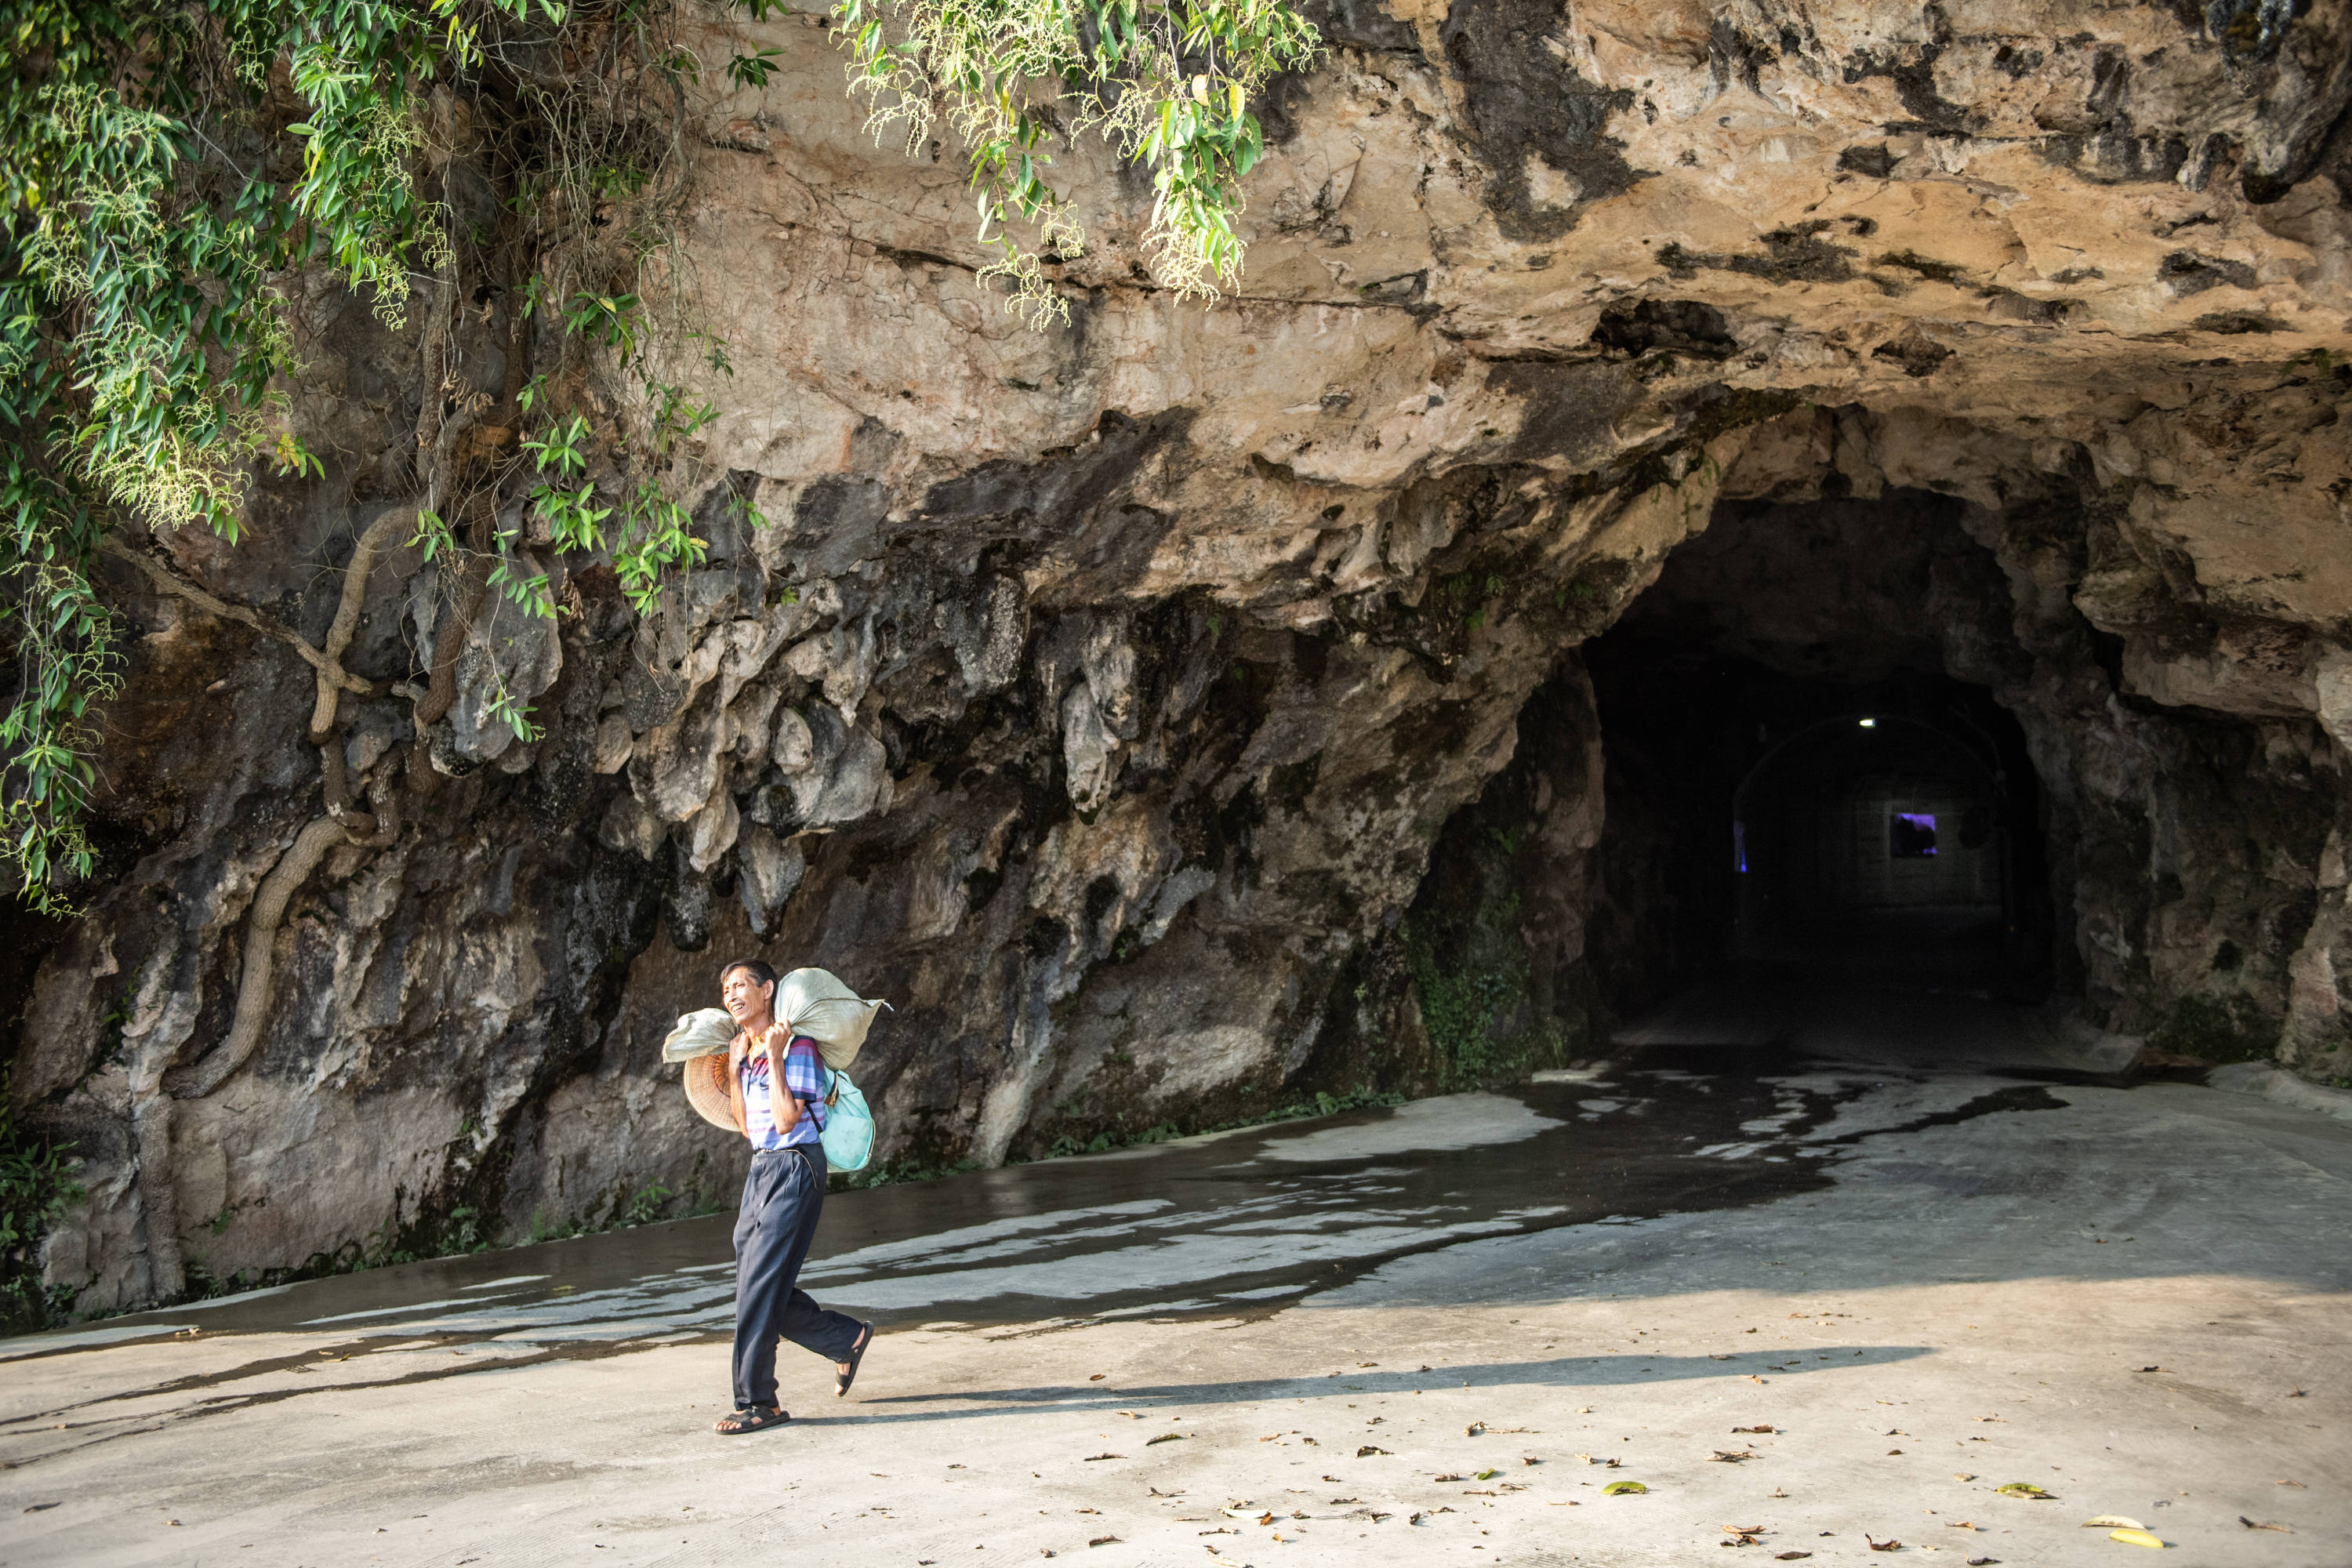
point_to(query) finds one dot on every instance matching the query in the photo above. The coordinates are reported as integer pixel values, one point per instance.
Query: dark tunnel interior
(1765, 773)
(1765, 824)
(1795, 785)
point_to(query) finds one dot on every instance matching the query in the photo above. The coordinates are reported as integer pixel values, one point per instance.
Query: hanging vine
(171, 167)
(1166, 84)
(169, 170)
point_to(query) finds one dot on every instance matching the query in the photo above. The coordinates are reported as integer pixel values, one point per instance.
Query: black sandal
(749, 1419)
(842, 1380)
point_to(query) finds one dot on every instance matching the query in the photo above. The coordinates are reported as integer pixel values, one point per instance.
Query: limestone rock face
(1100, 696)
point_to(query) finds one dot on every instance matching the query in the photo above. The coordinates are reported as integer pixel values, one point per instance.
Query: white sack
(703, 1033)
(813, 1002)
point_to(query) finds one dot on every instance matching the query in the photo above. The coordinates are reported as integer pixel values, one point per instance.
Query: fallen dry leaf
(1368, 1451)
(1877, 1545)
(2249, 1524)
(1623, 1488)
(1164, 1437)
(1789, 1556)
(1755, 1428)
(2112, 1521)
(1092, 1459)
(1728, 1457)
(1099, 1377)
(2026, 1489)
(1449, 1478)
(1104, 1540)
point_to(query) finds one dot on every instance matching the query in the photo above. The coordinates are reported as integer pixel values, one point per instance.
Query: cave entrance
(1782, 779)
(1799, 785)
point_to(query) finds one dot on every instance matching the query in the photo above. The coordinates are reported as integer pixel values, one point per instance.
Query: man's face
(743, 995)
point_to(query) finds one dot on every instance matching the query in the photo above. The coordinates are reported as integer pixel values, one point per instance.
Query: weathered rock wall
(1098, 695)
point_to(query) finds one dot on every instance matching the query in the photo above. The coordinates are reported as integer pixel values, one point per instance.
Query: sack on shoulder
(812, 1001)
(699, 1034)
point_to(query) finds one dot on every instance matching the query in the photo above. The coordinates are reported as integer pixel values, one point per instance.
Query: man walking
(775, 1086)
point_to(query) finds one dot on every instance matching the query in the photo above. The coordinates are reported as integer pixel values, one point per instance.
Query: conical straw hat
(701, 1041)
(706, 1090)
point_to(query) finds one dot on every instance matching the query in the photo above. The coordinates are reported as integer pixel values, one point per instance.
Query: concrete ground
(1821, 1275)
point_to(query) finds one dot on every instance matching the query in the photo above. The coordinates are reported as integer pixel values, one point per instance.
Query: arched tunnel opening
(1765, 778)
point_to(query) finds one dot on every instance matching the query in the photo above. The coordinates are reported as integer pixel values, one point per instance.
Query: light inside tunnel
(1911, 834)
(1870, 723)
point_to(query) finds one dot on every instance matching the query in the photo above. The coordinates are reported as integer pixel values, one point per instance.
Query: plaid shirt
(804, 1079)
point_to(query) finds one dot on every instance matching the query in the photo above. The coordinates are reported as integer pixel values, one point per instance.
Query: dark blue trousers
(782, 1197)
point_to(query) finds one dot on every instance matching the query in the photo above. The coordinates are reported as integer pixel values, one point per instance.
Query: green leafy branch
(1167, 82)
(151, 209)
